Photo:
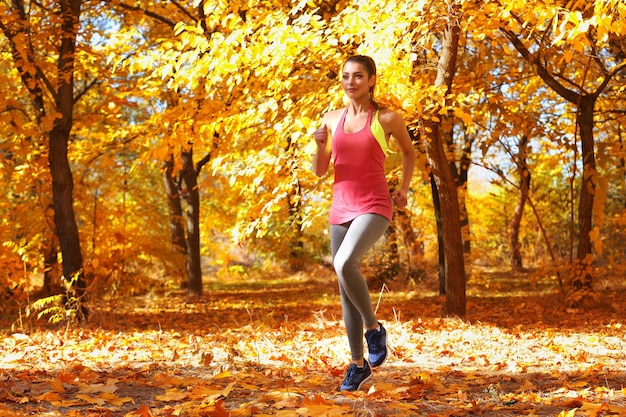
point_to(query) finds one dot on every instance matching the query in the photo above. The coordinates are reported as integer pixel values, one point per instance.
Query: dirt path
(256, 348)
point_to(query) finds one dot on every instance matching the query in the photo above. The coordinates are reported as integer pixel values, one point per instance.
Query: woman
(356, 137)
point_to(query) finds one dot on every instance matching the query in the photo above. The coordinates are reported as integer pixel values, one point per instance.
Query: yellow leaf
(108, 387)
(381, 387)
(91, 400)
(113, 399)
(173, 394)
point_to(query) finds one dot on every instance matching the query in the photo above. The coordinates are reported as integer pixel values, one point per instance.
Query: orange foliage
(253, 348)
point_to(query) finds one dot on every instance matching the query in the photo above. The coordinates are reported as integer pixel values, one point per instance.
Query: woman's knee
(345, 267)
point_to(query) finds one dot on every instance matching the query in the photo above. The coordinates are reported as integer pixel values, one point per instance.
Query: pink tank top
(360, 185)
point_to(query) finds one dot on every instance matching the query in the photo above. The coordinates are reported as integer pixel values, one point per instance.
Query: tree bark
(444, 180)
(441, 264)
(522, 197)
(189, 178)
(62, 181)
(415, 253)
(177, 229)
(58, 136)
(465, 162)
(460, 170)
(50, 249)
(296, 252)
(583, 276)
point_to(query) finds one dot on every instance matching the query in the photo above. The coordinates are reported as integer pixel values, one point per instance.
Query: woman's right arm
(321, 159)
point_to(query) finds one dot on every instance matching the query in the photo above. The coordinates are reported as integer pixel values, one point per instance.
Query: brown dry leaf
(142, 411)
(113, 399)
(94, 388)
(216, 410)
(593, 409)
(173, 394)
(317, 399)
(206, 359)
(527, 386)
(57, 385)
(49, 396)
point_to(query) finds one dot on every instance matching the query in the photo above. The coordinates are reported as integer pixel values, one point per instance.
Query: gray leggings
(349, 242)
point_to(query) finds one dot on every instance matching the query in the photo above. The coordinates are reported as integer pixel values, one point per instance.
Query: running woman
(356, 139)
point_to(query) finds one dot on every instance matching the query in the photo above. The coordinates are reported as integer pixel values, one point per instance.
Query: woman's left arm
(397, 128)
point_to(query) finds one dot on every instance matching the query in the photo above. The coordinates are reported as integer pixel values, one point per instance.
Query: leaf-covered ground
(277, 348)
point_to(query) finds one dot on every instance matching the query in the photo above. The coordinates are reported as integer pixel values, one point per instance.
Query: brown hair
(370, 67)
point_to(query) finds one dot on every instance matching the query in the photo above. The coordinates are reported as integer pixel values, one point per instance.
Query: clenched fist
(321, 137)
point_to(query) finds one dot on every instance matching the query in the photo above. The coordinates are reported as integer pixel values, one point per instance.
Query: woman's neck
(360, 106)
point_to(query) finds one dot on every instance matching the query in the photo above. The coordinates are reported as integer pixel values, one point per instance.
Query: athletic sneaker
(377, 345)
(355, 377)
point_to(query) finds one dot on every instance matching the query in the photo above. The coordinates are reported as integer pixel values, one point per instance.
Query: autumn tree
(570, 50)
(446, 186)
(524, 187)
(54, 118)
(180, 169)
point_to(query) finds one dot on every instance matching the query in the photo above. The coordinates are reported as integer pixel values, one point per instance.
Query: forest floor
(277, 347)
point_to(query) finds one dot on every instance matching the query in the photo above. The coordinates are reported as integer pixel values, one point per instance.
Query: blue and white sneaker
(355, 377)
(377, 345)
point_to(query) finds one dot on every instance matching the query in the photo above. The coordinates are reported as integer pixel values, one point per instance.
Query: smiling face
(356, 81)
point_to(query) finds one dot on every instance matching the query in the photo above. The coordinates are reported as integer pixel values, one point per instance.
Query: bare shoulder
(390, 117)
(392, 122)
(331, 119)
(333, 115)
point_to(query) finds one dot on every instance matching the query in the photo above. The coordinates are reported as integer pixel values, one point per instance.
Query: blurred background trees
(190, 139)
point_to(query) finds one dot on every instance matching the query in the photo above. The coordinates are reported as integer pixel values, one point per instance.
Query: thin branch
(148, 13)
(182, 9)
(84, 90)
(203, 162)
(540, 69)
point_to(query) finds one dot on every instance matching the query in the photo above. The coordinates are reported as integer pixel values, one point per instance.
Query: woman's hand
(321, 137)
(321, 159)
(399, 198)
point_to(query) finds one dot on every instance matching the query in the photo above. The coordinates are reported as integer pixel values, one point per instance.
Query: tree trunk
(191, 194)
(460, 170)
(50, 249)
(465, 162)
(454, 265)
(440, 246)
(174, 205)
(415, 252)
(583, 276)
(177, 227)
(446, 186)
(522, 197)
(58, 137)
(296, 252)
(62, 181)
